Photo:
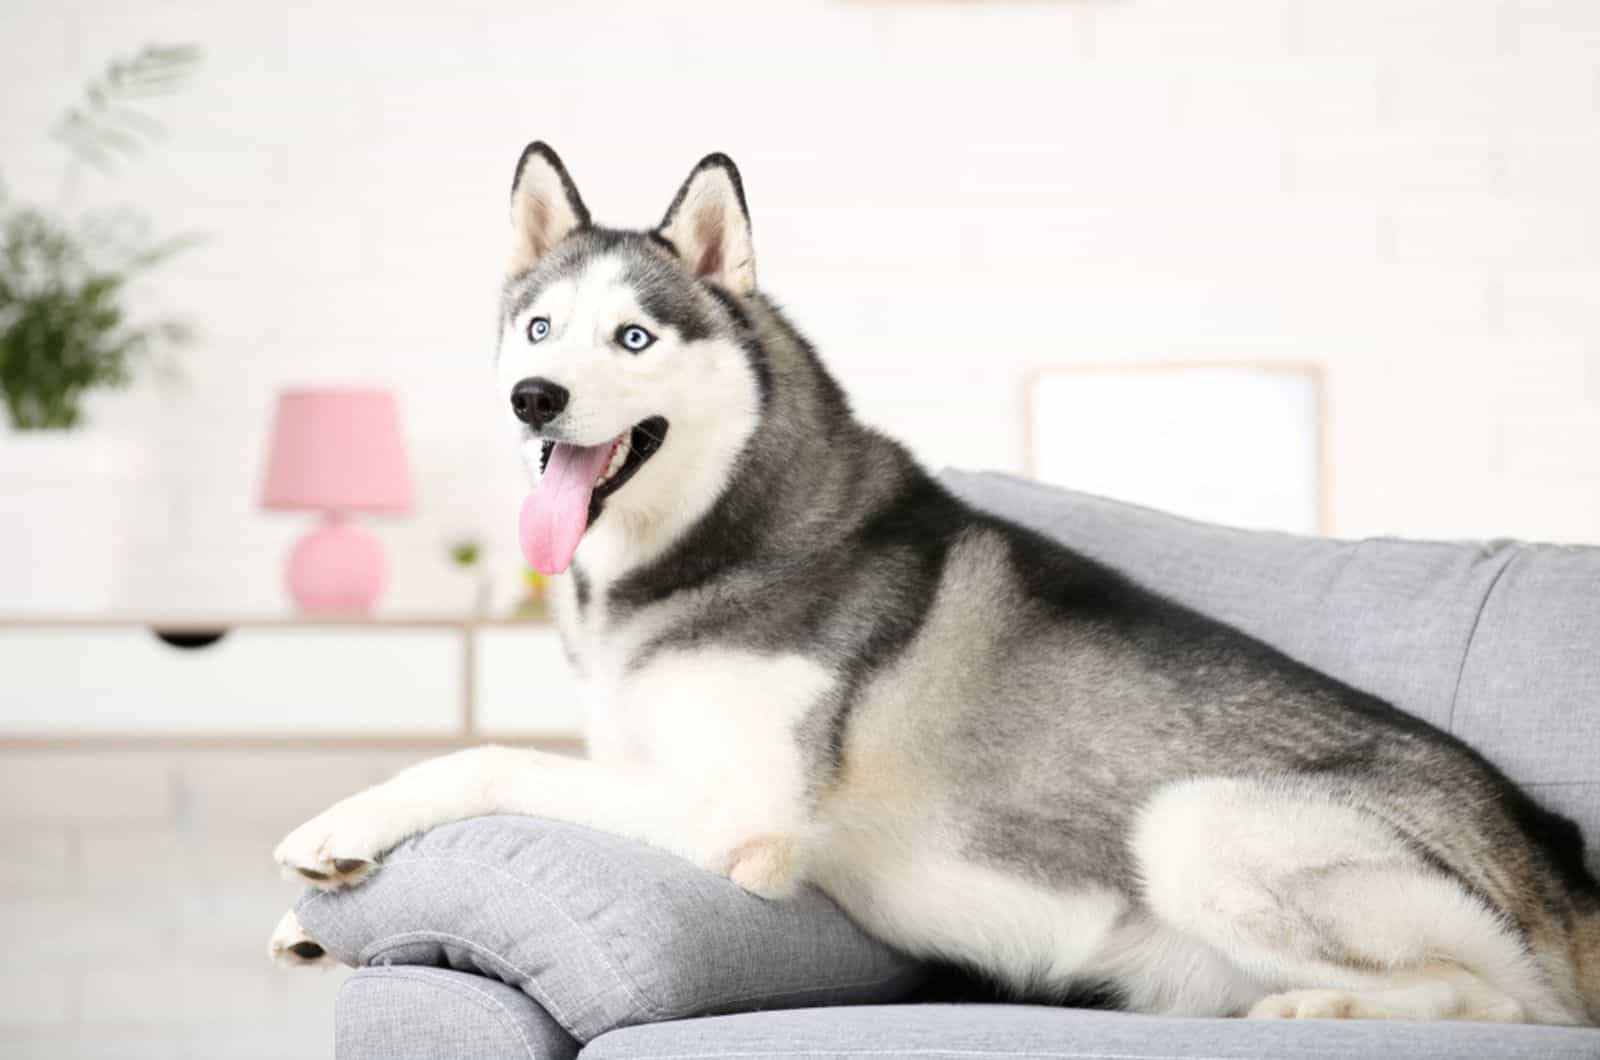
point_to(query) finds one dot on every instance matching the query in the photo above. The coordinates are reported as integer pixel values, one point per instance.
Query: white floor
(138, 891)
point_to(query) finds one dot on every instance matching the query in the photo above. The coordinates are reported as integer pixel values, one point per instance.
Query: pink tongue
(556, 513)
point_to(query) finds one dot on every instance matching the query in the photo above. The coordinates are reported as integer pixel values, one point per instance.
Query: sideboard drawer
(312, 680)
(524, 684)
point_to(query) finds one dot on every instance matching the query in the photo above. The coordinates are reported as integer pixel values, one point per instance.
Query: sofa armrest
(402, 1013)
(601, 932)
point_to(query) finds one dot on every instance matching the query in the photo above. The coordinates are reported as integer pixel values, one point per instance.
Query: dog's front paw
(290, 945)
(765, 865)
(340, 846)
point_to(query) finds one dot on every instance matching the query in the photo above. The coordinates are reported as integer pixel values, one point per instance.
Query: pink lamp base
(336, 567)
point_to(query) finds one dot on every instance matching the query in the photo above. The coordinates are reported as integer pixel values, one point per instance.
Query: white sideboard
(283, 680)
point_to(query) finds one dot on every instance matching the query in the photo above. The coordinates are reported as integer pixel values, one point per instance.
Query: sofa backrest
(1497, 642)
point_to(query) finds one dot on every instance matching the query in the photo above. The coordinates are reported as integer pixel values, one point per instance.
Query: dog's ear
(709, 227)
(545, 207)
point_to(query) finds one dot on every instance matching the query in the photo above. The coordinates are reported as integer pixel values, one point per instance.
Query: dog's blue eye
(538, 328)
(634, 338)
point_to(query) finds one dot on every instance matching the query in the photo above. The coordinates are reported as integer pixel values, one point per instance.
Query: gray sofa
(514, 937)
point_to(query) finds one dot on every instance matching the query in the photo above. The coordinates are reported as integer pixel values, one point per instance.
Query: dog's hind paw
(291, 946)
(1307, 1005)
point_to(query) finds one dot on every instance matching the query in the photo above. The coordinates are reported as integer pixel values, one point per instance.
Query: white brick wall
(1402, 189)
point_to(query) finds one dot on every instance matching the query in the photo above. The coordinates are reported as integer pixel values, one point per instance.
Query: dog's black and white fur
(805, 662)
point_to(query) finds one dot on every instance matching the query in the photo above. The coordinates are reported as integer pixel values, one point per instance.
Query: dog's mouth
(574, 482)
(629, 451)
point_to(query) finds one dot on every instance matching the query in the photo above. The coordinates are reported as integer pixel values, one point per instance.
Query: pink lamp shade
(336, 451)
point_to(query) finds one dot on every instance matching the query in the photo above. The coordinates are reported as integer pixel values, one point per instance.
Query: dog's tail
(1586, 948)
(1561, 842)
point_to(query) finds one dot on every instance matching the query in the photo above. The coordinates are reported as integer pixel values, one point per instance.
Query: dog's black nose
(538, 401)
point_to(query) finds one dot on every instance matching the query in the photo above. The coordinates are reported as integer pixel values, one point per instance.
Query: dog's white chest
(715, 711)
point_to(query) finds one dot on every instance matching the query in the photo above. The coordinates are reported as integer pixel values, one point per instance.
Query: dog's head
(620, 354)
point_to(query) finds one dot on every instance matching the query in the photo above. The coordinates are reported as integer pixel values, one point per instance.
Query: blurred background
(1319, 265)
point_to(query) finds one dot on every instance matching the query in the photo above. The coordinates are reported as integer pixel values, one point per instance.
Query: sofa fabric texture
(602, 932)
(1496, 642)
(399, 1012)
(1014, 1032)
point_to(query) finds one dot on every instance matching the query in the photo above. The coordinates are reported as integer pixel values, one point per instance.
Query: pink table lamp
(336, 451)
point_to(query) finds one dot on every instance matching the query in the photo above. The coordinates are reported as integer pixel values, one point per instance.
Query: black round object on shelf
(190, 639)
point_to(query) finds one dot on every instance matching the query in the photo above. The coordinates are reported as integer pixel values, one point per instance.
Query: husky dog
(805, 662)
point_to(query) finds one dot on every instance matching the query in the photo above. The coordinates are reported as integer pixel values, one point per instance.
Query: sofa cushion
(602, 932)
(1498, 643)
(996, 1032)
(1529, 694)
(399, 1013)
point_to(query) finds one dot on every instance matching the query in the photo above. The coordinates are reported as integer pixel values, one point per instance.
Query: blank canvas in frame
(1234, 444)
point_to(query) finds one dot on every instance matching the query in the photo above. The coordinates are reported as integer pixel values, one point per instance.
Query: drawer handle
(190, 639)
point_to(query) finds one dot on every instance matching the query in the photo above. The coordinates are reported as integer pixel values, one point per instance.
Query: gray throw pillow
(602, 932)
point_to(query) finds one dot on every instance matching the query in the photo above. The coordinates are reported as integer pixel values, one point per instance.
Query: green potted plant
(65, 326)
(71, 326)
(466, 555)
